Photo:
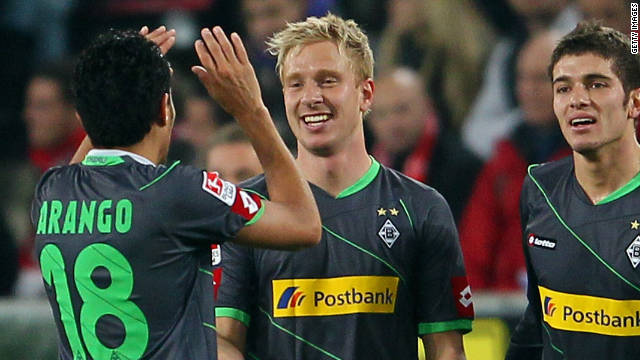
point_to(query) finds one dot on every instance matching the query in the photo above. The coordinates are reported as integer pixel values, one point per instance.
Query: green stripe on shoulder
(463, 325)
(161, 176)
(234, 313)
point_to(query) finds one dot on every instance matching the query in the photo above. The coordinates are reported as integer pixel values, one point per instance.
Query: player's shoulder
(549, 174)
(402, 185)
(52, 177)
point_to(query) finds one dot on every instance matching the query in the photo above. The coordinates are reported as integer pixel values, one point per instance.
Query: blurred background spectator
(230, 154)
(447, 42)
(409, 138)
(493, 113)
(490, 227)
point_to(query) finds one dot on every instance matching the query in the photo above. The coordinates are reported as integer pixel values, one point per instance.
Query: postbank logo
(549, 306)
(591, 314)
(334, 296)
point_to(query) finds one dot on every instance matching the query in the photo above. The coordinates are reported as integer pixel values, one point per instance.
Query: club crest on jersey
(389, 233)
(536, 241)
(223, 190)
(633, 252)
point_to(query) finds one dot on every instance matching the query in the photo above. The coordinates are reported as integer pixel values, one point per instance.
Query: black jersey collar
(365, 180)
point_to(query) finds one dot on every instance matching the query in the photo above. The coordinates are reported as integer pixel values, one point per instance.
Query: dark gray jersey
(388, 269)
(124, 249)
(583, 267)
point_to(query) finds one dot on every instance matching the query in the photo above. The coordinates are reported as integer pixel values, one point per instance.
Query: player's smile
(315, 121)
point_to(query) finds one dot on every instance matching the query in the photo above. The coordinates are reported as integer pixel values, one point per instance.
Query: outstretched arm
(229, 77)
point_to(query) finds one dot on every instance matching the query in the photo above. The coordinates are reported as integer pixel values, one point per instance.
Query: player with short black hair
(580, 217)
(124, 243)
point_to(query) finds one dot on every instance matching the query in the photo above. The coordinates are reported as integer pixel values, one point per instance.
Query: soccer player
(580, 217)
(124, 243)
(389, 266)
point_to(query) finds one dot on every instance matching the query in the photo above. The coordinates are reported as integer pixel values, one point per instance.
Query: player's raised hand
(226, 72)
(165, 39)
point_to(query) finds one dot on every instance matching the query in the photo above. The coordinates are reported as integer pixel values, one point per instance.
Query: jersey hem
(463, 325)
(234, 313)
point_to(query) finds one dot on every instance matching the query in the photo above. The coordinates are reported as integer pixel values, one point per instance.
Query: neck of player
(337, 170)
(609, 168)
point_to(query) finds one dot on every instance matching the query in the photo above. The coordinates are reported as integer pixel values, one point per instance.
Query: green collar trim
(99, 160)
(627, 188)
(365, 180)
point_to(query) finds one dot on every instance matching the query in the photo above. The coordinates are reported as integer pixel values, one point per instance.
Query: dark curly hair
(607, 43)
(118, 84)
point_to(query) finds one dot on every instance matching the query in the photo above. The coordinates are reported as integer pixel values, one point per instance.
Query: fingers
(204, 56)
(144, 30)
(161, 37)
(214, 48)
(225, 45)
(240, 51)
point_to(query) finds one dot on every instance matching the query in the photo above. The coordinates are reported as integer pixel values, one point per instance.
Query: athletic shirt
(124, 249)
(388, 269)
(583, 269)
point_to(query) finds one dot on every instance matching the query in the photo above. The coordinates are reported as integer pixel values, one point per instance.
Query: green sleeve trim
(436, 327)
(627, 188)
(210, 326)
(257, 216)
(365, 180)
(575, 235)
(255, 192)
(95, 160)
(205, 271)
(161, 175)
(234, 313)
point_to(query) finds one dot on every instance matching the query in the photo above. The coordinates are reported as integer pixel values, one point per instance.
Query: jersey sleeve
(526, 339)
(236, 286)
(206, 208)
(444, 296)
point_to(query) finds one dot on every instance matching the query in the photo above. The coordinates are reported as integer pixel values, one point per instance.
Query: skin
(48, 116)
(235, 161)
(317, 80)
(535, 97)
(400, 111)
(605, 153)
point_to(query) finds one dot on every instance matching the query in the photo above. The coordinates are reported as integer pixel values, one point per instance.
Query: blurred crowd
(463, 103)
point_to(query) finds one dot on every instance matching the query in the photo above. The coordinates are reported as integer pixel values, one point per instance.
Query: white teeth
(582, 121)
(316, 118)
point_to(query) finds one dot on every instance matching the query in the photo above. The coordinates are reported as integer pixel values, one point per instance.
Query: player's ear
(166, 110)
(633, 107)
(368, 87)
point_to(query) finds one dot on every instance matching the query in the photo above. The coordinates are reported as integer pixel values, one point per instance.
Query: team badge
(389, 233)
(633, 252)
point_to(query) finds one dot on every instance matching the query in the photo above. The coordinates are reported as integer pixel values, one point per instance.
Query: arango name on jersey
(334, 296)
(79, 217)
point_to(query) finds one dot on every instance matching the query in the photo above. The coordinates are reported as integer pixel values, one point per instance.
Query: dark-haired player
(580, 215)
(388, 268)
(124, 242)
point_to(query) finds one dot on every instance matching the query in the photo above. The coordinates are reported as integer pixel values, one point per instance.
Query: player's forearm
(285, 182)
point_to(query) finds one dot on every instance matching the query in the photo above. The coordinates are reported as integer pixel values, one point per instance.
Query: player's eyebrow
(586, 77)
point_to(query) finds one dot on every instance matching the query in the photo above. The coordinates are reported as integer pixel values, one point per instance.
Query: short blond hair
(346, 34)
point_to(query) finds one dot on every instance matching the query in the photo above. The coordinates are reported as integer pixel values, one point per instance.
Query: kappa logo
(223, 190)
(633, 252)
(290, 298)
(536, 241)
(549, 306)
